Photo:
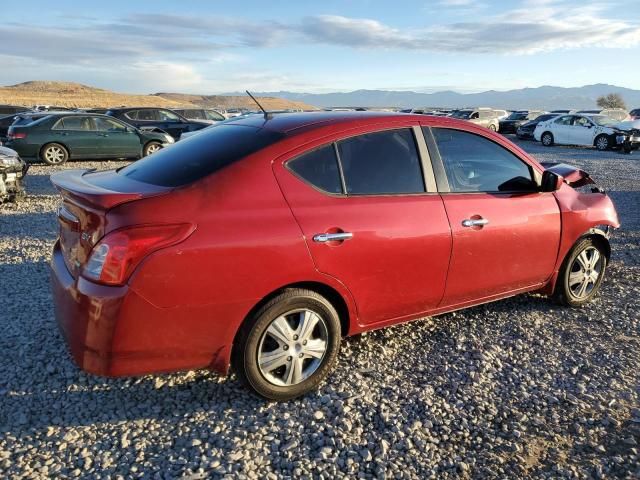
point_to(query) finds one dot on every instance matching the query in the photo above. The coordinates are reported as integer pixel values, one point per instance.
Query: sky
(228, 46)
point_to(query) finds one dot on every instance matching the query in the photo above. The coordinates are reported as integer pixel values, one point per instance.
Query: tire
(547, 139)
(602, 142)
(54, 154)
(275, 333)
(492, 127)
(572, 277)
(151, 148)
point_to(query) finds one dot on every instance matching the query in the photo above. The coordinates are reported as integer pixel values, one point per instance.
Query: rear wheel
(151, 147)
(581, 273)
(547, 139)
(54, 154)
(492, 127)
(602, 142)
(288, 346)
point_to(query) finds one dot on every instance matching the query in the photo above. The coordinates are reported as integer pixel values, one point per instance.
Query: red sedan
(260, 243)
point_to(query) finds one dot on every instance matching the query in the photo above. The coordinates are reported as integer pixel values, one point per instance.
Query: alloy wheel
(585, 272)
(153, 148)
(602, 143)
(293, 347)
(54, 155)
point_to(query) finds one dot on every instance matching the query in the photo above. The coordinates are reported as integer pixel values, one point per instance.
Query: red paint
(253, 227)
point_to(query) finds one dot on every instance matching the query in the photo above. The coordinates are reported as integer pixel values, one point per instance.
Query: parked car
(11, 109)
(485, 117)
(635, 114)
(51, 108)
(592, 130)
(186, 135)
(206, 115)
(262, 242)
(525, 131)
(233, 112)
(12, 172)
(502, 114)
(617, 114)
(58, 137)
(517, 118)
(160, 118)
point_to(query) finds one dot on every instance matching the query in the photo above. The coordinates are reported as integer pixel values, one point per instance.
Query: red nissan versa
(261, 242)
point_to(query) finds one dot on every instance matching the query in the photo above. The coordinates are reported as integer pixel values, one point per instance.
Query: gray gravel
(518, 388)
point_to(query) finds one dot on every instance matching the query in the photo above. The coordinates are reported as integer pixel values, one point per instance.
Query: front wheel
(288, 346)
(602, 142)
(151, 147)
(547, 139)
(492, 127)
(581, 273)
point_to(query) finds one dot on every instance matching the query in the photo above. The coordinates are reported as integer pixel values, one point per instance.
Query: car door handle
(332, 237)
(474, 222)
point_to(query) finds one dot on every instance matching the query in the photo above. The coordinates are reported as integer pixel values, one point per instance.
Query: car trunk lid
(87, 196)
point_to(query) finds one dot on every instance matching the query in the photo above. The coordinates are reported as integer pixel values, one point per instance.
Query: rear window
(200, 155)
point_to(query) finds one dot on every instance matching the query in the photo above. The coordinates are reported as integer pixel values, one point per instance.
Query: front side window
(475, 164)
(565, 120)
(215, 116)
(381, 163)
(167, 116)
(319, 168)
(108, 125)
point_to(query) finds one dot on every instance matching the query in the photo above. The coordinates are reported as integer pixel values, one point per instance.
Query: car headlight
(169, 138)
(9, 161)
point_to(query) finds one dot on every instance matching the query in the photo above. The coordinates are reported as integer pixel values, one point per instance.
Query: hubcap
(546, 140)
(292, 347)
(585, 272)
(54, 154)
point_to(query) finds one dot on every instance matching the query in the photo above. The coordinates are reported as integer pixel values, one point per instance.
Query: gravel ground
(517, 388)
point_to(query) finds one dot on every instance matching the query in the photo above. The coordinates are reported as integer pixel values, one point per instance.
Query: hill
(269, 102)
(546, 97)
(70, 94)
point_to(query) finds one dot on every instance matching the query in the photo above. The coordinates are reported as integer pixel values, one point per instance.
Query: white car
(597, 131)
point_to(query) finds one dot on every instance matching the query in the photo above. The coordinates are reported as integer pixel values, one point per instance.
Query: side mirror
(550, 181)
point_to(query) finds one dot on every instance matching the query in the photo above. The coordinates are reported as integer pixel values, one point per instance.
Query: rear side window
(201, 155)
(73, 123)
(476, 164)
(319, 168)
(381, 163)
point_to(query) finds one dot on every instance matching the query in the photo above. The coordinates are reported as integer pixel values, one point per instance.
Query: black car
(162, 118)
(525, 131)
(517, 118)
(9, 109)
(55, 138)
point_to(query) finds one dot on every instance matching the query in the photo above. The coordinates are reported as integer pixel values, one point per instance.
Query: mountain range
(545, 98)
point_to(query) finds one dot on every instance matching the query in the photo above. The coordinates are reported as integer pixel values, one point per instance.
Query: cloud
(519, 31)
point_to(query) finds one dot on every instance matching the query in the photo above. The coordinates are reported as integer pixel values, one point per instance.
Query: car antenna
(267, 115)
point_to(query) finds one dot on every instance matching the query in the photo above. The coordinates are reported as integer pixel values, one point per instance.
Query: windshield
(517, 116)
(200, 155)
(603, 120)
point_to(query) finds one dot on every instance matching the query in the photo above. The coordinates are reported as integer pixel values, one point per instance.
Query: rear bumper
(113, 331)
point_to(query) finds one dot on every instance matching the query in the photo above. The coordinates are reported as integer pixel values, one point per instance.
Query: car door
(369, 221)
(582, 131)
(562, 129)
(171, 123)
(506, 234)
(75, 132)
(115, 139)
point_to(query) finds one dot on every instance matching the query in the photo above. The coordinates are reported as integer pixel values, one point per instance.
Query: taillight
(115, 257)
(16, 135)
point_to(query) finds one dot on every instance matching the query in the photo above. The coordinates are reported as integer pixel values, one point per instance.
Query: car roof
(288, 123)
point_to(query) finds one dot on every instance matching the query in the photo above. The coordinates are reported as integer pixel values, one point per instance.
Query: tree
(612, 100)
